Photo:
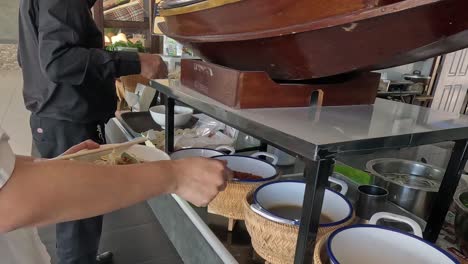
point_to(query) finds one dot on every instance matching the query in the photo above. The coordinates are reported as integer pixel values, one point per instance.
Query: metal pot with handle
(411, 185)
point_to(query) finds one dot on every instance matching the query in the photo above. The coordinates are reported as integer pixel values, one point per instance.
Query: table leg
(316, 175)
(447, 189)
(169, 142)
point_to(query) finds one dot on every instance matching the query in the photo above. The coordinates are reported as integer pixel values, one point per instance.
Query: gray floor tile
(132, 216)
(133, 234)
(139, 244)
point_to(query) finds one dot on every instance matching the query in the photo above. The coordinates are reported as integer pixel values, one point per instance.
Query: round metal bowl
(411, 185)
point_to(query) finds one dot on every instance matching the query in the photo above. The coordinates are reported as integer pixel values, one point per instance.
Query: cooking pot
(411, 185)
(201, 152)
(335, 205)
(377, 244)
(461, 219)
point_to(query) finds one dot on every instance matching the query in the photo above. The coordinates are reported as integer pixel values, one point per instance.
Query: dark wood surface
(400, 33)
(254, 15)
(242, 90)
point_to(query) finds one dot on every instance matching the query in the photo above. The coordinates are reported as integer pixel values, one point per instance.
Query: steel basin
(411, 185)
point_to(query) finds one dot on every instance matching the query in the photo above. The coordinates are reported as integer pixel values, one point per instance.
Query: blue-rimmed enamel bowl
(360, 244)
(267, 171)
(335, 206)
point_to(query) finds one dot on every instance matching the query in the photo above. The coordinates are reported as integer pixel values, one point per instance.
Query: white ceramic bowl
(376, 244)
(200, 152)
(182, 115)
(269, 195)
(252, 165)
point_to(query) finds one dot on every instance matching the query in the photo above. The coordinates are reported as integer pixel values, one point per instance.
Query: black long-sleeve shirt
(67, 75)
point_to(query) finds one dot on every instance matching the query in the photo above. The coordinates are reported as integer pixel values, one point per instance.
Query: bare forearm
(39, 194)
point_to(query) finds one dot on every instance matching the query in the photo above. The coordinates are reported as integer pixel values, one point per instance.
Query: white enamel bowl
(252, 165)
(182, 115)
(335, 205)
(377, 244)
(201, 152)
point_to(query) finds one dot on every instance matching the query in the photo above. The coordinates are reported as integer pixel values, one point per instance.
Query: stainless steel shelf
(306, 131)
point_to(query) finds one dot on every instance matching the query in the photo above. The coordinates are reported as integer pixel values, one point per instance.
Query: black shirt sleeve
(65, 56)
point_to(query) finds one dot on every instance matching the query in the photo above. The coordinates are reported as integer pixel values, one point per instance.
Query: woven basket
(229, 202)
(320, 252)
(276, 242)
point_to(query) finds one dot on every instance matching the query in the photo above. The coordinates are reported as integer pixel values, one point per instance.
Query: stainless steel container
(461, 219)
(411, 185)
(372, 199)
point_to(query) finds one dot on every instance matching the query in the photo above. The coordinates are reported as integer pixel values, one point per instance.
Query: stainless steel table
(318, 134)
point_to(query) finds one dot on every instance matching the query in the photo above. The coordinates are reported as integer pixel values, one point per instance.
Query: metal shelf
(318, 134)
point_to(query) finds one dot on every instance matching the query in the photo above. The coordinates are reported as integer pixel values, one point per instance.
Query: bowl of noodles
(133, 155)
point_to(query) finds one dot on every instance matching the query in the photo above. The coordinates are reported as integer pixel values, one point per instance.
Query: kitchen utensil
(201, 152)
(103, 150)
(411, 185)
(182, 115)
(284, 159)
(291, 193)
(375, 244)
(371, 200)
(461, 219)
(142, 153)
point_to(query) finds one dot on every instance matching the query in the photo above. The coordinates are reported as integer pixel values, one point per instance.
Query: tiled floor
(132, 234)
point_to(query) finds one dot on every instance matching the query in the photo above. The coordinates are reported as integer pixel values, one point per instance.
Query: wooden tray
(367, 39)
(239, 89)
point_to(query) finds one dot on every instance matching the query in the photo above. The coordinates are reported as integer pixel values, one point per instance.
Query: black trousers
(77, 241)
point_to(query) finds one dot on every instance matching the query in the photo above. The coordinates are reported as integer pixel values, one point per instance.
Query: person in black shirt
(69, 87)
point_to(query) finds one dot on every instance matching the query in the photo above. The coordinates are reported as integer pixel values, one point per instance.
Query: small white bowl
(182, 115)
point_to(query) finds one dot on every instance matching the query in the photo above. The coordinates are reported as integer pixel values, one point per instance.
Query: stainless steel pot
(411, 185)
(461, 219)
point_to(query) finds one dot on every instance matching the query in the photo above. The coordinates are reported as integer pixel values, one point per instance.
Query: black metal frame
(316, 175)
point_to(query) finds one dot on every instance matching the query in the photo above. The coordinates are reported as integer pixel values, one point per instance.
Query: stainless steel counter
(340, 129)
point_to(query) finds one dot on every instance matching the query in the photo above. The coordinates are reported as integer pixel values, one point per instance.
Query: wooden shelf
(154, 41)
(126, 24)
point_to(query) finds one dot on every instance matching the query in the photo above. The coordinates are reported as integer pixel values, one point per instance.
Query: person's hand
(88, 144)
(152, 66)
(199, 180)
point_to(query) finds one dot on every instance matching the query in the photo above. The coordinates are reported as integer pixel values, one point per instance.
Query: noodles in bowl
(114, 158)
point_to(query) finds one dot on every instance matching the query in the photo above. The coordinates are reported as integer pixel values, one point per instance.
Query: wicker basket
(320, 252)
(276, 242)
(229, 202)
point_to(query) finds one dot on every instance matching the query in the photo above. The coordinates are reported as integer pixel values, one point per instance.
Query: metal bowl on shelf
(411, 185)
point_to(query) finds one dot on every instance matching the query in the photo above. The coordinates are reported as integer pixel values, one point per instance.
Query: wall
(9, 21)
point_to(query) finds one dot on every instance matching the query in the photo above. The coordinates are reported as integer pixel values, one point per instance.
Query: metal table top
(307, 130)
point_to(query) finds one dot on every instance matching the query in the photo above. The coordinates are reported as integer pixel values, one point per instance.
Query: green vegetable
(128, 44)
(358, 176)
